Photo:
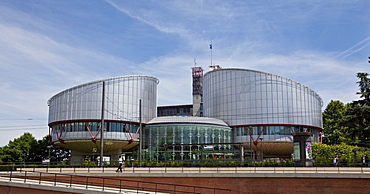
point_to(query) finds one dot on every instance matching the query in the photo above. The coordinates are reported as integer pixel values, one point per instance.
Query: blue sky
(49, 46)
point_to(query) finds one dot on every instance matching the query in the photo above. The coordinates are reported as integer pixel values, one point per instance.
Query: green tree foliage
(19, 149)
(323, 151)
(41, 151)
(333, 132)
(364, 85)
(323, 154)
(357, 115)
(27, 149)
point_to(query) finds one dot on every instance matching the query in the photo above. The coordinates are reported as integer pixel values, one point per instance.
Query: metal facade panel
(122, 95)
(247, 97)
(188, 120)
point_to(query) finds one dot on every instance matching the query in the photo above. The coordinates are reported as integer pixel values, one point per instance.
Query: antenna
(195, 62)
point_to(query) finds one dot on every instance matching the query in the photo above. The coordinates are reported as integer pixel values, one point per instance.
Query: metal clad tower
(75, 115)
(197, 74)
(262, 108)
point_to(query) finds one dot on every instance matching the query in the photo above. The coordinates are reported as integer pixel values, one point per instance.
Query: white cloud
(39, 58)
(34, 67)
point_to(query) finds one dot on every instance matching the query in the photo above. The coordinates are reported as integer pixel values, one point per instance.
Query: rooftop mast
(197, 74)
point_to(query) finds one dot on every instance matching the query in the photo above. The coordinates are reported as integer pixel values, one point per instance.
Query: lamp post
(102, 127)
(261, 149)
(49, 147)
(140, 135)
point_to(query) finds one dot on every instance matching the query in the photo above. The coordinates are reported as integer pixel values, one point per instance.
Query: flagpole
(210, 47)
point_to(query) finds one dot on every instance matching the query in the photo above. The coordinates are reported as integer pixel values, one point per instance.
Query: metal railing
(267, 162)
(105, 184)
(319, 165)
(204, 170)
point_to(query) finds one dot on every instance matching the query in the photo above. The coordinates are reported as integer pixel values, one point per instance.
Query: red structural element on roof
(132, 138)
(255, 142)
(93, 137)
(197, 72)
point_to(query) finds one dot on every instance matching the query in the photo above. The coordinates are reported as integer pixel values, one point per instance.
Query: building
(177, 110)
(254, 110)
(185, 138)
(75, 115)
(262, 109)
(197, 74)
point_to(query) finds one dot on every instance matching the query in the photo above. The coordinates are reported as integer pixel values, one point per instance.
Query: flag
(210, 46)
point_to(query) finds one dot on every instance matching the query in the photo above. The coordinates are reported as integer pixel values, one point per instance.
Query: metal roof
(187, 120)
(239, 69)
(104, 80)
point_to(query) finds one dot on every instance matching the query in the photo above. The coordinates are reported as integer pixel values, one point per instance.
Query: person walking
(336, 161)
(119, 164)
(363, 160)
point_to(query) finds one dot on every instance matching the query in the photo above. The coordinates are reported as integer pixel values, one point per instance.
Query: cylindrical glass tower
(262, 107)
(75, 114)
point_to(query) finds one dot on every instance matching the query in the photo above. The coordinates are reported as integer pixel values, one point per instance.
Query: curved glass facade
(262, 108)
(75, 113)
(184, 139)
(272, 133)
(80, 130)
(240, 107)
(122, 96)
(245, 97)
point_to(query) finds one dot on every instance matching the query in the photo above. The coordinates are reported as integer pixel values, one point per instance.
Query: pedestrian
(336, 161)
(363, 160)
(366, 161)
(119, 164)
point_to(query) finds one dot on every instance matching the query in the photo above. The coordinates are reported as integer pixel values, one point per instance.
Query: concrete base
(303, 163)
(79, 157)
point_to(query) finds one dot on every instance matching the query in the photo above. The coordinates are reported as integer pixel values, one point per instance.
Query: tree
(364, 85)
(357, 115)
(333, 132)
(19, 149)
(42, 148)
(27, 149)
(323, 154)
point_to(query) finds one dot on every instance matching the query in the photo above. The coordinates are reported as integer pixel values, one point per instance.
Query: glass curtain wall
(269, 106)
(80, 130)
(246, 97)
(185, 142)
(73, 109)
(275, 133)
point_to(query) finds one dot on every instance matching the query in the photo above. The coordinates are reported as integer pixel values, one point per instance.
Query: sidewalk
(319, 172)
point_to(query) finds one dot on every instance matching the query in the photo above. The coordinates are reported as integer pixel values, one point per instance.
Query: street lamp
(261, 148)
(49, 155)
